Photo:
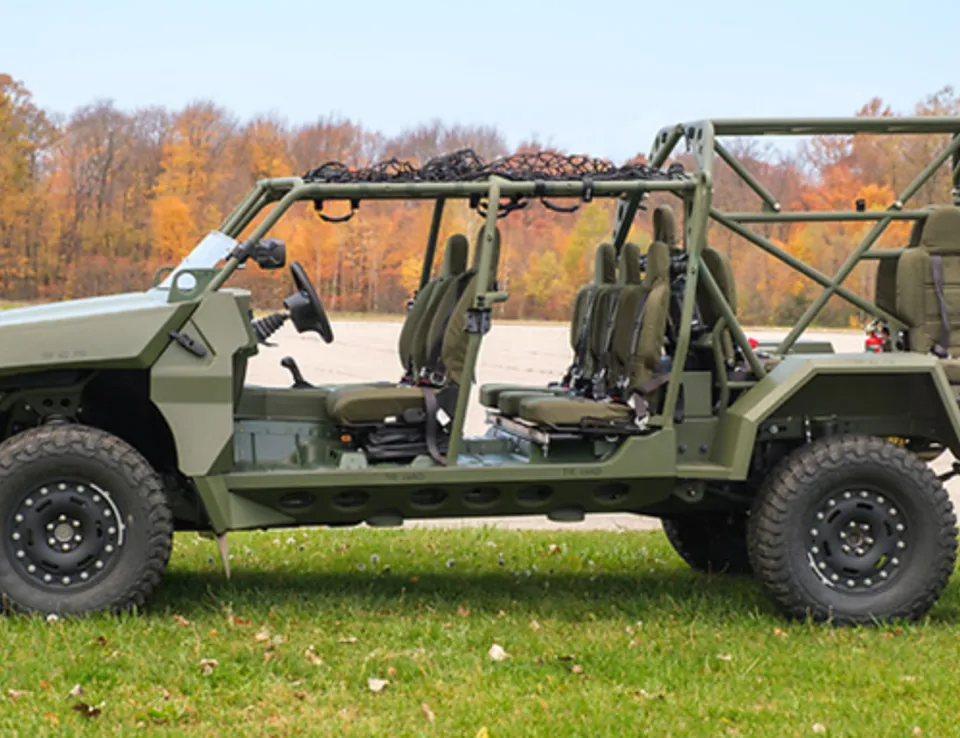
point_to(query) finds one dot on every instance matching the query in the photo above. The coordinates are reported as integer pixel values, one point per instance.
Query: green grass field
(607, 634)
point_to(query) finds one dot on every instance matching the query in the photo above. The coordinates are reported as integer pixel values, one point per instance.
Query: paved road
(533, 354)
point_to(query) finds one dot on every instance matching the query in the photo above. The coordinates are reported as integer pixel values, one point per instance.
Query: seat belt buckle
(478, 320)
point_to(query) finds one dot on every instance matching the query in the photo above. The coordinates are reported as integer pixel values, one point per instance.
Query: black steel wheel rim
(65, 534)
(858, 540)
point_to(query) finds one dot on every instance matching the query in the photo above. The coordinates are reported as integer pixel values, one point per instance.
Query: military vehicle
(127, 417)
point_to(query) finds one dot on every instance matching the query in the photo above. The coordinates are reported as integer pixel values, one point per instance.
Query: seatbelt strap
(638, 323)
(433, 426)
(936, 270)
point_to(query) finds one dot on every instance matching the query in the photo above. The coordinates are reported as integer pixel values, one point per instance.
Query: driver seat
(446, 347)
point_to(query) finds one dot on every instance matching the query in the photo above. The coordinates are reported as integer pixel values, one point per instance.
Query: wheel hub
(66, 534)
(857, 540)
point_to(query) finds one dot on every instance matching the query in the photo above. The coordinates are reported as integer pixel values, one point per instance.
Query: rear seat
(928, 289)
(598, 338)
(630, 364)
(586, 309)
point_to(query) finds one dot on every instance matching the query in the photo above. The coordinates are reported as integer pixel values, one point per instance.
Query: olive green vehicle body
(253, 457)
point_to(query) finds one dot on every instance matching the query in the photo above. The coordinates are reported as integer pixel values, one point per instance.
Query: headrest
(658, 262)
(495, 260)
(941, 232)
(665, 225)
(605, 266)
(455, 256)
(630, 264)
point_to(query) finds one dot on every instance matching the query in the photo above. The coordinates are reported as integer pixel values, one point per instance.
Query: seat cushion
(490, 393)
(570, 410)
(358, 405)
(509, 402)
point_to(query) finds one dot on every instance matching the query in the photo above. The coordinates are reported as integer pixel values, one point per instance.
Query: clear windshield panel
(214, 248)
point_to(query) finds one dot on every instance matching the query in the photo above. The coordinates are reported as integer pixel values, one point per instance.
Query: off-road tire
(897, 509)
(714, 542)
(95, 478)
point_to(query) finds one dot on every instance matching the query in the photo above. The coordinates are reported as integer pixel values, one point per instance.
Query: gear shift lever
(290, 364)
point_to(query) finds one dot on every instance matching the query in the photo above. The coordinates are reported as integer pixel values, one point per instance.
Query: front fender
(196, 394)
(891, 394)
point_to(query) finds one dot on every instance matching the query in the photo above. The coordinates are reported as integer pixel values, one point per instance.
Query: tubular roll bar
(695, 190)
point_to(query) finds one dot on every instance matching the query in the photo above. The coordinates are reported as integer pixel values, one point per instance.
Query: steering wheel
(306, 310)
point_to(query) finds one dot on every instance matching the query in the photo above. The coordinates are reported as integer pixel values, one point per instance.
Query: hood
(120, 331)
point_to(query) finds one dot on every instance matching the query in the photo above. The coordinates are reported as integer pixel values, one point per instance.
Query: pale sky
(596, 77)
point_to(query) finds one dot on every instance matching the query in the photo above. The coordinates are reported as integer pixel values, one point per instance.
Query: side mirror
(270, 253)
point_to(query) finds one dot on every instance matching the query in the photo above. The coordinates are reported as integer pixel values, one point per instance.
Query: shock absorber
(267, 326)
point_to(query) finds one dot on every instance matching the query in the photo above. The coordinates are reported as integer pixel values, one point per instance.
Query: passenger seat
(636, 348)
(587, 308)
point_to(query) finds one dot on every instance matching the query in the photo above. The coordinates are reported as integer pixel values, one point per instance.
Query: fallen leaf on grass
(427, 712)
(44, 684)
(262, 637)
(819, 728)
(552, 549)
(88, 711)
(76, 691)
(52, 719)
(240, 621)
(780, 633)
(348, 640)
(16, 694)
(463, 612)
(642, 694)
(101, 641)
(377, 685)
(268, 656)
(725, 656)
(311, 656)
(392, 671)
(208, 665)
(497, 653)
(534, 625)
(181, 621)
(299, 696)
(566, 657)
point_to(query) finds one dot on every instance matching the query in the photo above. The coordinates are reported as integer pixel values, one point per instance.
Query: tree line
(96, 201)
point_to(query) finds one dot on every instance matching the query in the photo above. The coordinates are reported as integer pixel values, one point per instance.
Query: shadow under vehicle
(127, 417)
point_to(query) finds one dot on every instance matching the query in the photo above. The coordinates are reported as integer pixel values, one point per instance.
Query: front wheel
(852, 529)
(86, 525)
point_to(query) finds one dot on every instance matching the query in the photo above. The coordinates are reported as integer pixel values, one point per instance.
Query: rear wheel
(852, 529)
(86, 525)
(711, 541)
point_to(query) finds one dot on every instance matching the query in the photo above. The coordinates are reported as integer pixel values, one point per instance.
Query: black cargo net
(466, 166)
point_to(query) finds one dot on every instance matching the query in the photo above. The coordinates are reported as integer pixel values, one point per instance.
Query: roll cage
(694, 188)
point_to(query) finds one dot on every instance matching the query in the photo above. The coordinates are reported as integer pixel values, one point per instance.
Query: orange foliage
(97, 202)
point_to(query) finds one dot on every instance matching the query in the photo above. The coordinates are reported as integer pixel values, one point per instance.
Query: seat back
(447, 335)
(641, 323)
(586, 304)
(885, 294)
(413, 334)
(928, 285)
(604, 321)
